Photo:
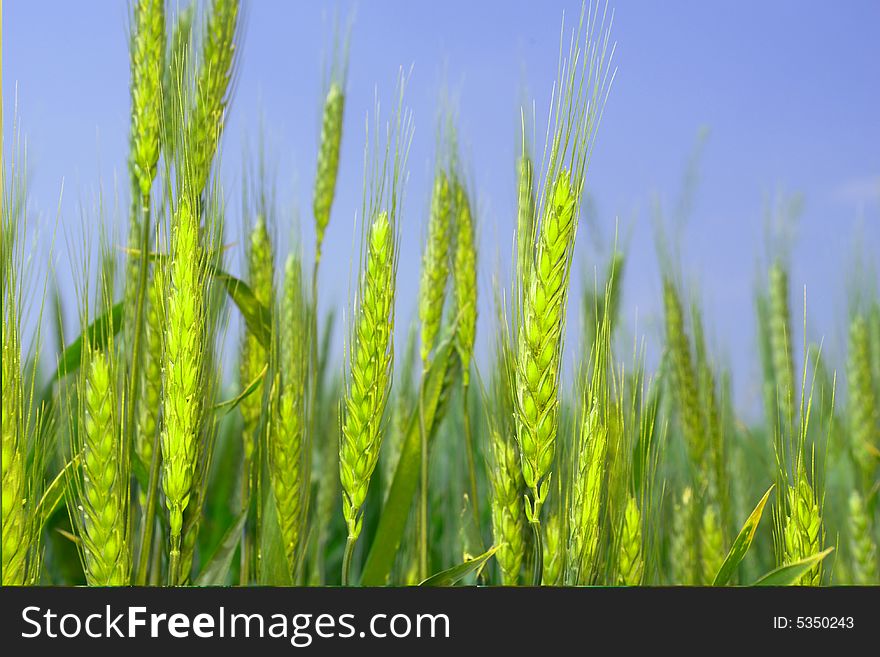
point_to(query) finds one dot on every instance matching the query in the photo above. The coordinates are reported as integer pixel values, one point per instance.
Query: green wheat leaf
(454, 575)
(742, 543)
(790, 574)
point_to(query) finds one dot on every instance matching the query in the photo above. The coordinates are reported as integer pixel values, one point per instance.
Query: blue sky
(787, 89)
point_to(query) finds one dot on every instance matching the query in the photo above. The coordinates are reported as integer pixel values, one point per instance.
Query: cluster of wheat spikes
(128, 458)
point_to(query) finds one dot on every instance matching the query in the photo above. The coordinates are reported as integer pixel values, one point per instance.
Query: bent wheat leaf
(454, 575)
(790, 574)
(742, 543)
(257, 317)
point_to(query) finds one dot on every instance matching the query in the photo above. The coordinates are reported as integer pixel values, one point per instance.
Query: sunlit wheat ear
(182, 366)
(370, 354)
(583, 84)
(802, 532)
(435, 264)
(328, 161)
(630, 560)
(864, 411)
(21, 418)
(286, 451)
(465, 279)
(178, 58)
(13, 441)
(503, 463)
(147, 71)
(370, 372)
(539, 342)
(104, 495)
(508, 518)
(207, 118)
(588, 484)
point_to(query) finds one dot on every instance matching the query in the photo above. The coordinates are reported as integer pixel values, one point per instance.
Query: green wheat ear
(465, 280)
(435, 264)
(802, 531)
(554, 552)
(182, 367)
(862, 546)
(151, 383)
(539, 343)
(23, 421)
(781, 347)
(104, 496)
(260, 266)
(147, 71)
(864, 410)
(503, 465)
(683, 553)
(711, 545)
(14, 535)
(684, 378)
(370, 372)
(286, 451)
(630, 560)
(371, 348)
(215, 71)
(587, 495)
(328, 161)
(508, 519)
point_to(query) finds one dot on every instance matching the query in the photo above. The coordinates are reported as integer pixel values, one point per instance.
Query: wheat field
(152, 450)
